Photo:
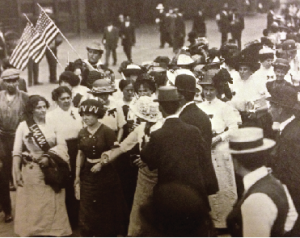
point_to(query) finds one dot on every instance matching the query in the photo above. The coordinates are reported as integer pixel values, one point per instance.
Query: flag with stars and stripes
(45, 33)
(20, 56)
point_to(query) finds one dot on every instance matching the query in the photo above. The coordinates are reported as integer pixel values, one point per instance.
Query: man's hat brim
(267, 144)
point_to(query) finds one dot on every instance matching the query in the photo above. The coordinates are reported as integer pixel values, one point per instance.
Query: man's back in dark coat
(285, 160)
(193, 115)
(174, 150)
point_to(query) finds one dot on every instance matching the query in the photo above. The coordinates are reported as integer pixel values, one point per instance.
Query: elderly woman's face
(89, 119)
(64, 101)
(40, 110)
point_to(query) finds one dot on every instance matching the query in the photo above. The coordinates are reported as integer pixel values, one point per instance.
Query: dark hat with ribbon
(92, 106)
(102, 86)
(247, 140)
(168, 94)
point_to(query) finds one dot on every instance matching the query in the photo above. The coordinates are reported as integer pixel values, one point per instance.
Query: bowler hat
(185, 82)
(10, 74)
(284, 96)
(168, 94)
(95, 46)
(132, 69)
(247, 140)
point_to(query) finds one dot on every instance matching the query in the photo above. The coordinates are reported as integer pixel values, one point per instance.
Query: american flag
(45, 32)
(20, 56)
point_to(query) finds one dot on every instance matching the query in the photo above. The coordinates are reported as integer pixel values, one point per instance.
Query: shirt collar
(254, 176)
(184, 106)
(172, 116)
(285, 123)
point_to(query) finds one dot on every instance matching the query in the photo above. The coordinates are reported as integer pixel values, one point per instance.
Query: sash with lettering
(57, 172)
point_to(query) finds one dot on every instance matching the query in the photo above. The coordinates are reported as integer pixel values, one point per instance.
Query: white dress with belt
(222, 117)
(39, 210)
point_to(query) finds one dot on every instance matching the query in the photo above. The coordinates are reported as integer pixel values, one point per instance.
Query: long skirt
(144, 190)
(39, 210)
(102, 209)
(222, 202)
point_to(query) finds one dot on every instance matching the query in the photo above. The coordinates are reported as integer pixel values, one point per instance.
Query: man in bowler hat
(176, 149)
(285, 109)
(193, 115)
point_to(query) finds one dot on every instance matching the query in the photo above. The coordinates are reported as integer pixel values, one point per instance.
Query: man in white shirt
(266, 208)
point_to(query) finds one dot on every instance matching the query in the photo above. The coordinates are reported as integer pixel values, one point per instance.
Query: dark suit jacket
(238, 24)
(127, 34)
(111, 38)
(193, 115)
(174, 150)
(223, 23)
(285, 159)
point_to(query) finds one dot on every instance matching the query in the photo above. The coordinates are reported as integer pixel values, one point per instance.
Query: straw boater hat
(146, 109)
(102, 86)
(247, 140)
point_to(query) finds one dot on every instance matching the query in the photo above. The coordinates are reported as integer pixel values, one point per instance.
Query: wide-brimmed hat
(184, 60)
(95, 46)
(266, 53)
(247, 140)
(185, 82)
(145, 108)
(101, 86)
(285, 96)
(10, 74)
(132, 69)
(168, 94)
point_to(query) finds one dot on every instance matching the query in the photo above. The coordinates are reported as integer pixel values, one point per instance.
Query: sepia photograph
(149, 118)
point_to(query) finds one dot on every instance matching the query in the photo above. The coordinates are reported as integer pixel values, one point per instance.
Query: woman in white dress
(224, 118)
(40, 211)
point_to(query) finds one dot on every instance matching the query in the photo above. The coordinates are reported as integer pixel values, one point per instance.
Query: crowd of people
(201, 144)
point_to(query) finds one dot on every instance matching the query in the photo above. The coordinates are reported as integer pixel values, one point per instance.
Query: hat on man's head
(284, 96)
(102, 86)
(168, 94)
(163, 61)
(10, 74)
(185, 82)
(289, 45)
(95, 46)
(247, 140)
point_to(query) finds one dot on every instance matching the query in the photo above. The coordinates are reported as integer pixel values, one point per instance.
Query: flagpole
(63, 36)
(46, 45)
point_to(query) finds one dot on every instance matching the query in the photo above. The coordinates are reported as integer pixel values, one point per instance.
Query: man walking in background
(110, 40)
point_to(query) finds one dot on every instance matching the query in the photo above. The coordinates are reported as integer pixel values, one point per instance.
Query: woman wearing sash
(40, 211)
(102, 209)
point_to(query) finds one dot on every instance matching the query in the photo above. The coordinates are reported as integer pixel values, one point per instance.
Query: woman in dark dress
(102, 206)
